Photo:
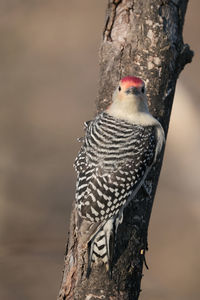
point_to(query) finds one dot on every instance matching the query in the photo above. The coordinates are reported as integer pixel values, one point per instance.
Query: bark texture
(141, 38)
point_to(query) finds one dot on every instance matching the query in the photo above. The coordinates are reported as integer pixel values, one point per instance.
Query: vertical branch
(141, 38)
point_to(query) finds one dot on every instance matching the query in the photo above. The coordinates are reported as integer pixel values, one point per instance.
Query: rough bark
(142, 38)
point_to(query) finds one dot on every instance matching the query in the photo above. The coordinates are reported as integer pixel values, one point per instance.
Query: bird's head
(129, 97)
(131, 87)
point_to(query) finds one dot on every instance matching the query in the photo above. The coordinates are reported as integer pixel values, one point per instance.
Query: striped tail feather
(100, 249)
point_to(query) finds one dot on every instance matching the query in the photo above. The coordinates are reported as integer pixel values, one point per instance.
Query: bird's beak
(132, 90)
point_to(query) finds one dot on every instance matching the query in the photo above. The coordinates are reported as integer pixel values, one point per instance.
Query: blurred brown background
(48, 84)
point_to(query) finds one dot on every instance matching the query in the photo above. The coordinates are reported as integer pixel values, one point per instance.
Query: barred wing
(107, 179)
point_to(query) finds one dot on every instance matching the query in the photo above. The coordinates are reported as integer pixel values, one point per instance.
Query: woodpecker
(119, 149)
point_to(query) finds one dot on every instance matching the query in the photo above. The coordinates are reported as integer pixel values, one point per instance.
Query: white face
(131, 96)
(129, 100)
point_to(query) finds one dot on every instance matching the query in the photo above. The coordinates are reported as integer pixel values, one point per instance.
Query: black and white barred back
(110, 165)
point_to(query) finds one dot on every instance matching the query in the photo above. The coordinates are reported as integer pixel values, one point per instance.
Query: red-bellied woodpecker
(119, 148)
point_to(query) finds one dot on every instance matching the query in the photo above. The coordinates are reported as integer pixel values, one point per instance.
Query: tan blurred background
(48, 84)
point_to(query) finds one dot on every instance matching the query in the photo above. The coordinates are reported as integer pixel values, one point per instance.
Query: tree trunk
(141, 38)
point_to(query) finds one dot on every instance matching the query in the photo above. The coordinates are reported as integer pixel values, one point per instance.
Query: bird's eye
(142, 90)
(119, 88)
